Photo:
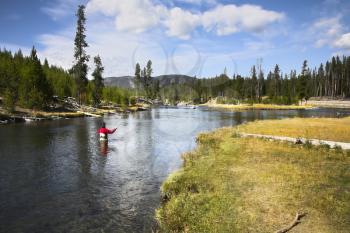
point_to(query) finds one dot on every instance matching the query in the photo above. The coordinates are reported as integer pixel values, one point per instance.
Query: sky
(193, 37)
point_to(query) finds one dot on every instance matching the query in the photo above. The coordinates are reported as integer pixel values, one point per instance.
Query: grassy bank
(233, 184)
(257, 106)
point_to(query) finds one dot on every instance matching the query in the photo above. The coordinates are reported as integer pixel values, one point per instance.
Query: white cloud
(130, 15)
(343, 41)
(58, 49)
(326, 31)
(142, 15)
(228, 19)
(198, 2)
(181, 23)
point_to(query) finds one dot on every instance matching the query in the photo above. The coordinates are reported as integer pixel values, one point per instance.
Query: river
(56, 176)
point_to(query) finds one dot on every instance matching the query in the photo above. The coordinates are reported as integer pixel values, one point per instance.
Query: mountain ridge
(164, 80)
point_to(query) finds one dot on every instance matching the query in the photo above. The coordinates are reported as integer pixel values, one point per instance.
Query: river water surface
(56, 176)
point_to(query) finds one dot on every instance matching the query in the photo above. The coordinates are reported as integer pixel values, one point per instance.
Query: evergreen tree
(276, 81)
(148, 78)
(302, 87)
(254, 84)
(80, 66)
(98, 81)
(137, 79)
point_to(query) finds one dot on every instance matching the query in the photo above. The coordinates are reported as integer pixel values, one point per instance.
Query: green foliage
(9, 100)
(25, 82)
(98, 81)
(34, 89)
(115, 95)
(61, 81)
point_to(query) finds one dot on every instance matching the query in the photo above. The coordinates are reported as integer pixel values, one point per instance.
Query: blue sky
(194, 37)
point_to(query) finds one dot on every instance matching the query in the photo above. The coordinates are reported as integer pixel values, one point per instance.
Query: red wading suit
(104, 132)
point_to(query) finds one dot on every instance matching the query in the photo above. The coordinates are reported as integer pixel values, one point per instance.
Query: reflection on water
(58, 177)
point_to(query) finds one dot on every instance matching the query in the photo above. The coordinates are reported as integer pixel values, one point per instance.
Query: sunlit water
(56, 176)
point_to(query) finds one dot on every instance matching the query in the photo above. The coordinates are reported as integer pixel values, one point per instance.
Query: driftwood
(295, 222)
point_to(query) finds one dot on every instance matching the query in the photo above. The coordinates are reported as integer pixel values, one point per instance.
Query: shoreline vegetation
(310, 104)
(230, 183)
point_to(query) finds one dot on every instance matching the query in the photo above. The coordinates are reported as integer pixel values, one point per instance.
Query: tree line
(331, 79)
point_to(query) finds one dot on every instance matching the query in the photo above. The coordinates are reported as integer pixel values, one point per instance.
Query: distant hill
(122, 81)
(164, 80)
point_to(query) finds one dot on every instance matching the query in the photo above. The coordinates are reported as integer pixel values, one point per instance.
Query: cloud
(343, 41)
(57, 48)
(228, 19)
(198, 2)
(326, 30)
(330, 32)
(130, 15)
(181, 23)
(142, 15)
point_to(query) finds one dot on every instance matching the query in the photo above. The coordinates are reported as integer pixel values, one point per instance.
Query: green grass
(233, 184)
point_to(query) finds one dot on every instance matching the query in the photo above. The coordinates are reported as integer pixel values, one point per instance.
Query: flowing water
(56, 176)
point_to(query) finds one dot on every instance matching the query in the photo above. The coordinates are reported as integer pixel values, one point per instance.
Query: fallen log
(89, 114)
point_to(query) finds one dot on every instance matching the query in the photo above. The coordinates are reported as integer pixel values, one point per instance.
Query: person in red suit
(103, 131)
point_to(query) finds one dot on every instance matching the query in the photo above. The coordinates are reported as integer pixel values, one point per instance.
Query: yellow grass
(313, 128)
(258, 106)
(233, 184)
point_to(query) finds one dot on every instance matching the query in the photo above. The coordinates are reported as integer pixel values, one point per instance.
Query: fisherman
(103, 131)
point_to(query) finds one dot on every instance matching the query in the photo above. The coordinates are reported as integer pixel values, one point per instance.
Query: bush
(132, 100)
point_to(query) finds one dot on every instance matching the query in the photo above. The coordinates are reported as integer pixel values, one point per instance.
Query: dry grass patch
(333, 129)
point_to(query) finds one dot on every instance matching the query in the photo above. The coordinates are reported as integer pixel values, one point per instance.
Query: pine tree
(98, 81)
(137, 79)
(276, 81)
(80, 66)
(148, 78)
(254, 84)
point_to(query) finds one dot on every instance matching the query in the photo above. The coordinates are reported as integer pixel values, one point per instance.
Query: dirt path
(316, 142)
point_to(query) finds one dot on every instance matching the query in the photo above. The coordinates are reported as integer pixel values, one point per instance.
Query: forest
(331, 80)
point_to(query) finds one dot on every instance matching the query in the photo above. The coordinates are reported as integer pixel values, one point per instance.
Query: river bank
(245, 184)
(23, 114)
(257, 106)
(330, 103)
(312, 103)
